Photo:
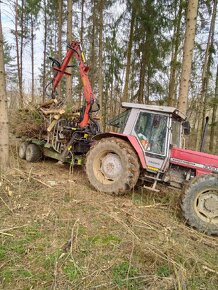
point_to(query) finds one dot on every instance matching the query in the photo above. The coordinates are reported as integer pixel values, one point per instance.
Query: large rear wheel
(112, 166)
(200, 204)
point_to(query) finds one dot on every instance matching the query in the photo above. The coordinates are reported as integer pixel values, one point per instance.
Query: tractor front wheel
(200, 204)
(112, 166)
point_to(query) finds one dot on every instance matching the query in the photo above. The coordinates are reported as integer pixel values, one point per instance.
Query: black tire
(112, 166)
(200, 204)
(33, 153)
(22, 150)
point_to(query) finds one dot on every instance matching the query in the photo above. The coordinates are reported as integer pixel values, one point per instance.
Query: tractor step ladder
(155, 180)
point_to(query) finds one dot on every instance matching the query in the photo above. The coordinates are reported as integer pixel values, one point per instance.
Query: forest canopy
(134, 50)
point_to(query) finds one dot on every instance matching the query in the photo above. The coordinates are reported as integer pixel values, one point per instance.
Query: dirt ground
(58, 233)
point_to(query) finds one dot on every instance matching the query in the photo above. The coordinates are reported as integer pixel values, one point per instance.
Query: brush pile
(27, 122)
(33, 122)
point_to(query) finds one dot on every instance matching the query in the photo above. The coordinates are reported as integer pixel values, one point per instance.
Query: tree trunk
(132, 75)
(18, 57)
(44, 53)
(175, 50)
(81, 41)
(141, 83)
(214, 121)
(100, 69)
(205, 78)
(22, 44)
(4, 133)
(32, 58)
(60, 11)
(69, 40)
(187, 54)
(93, 43)
(82, 22)
(129, 54)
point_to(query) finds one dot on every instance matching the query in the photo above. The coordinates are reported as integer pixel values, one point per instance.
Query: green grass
(72, 271)
(2, 252)
(163, 271)
(6, 276)
(104, 240)
(125, 275)
(10, 274)
(50, 260)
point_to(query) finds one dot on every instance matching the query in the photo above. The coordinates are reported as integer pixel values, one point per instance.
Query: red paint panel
(133, 141)
(200, 158)
(202, 171)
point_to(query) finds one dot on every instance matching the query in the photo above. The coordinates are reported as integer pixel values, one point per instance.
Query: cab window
(176, 133)
(151, 131)
(119, 121)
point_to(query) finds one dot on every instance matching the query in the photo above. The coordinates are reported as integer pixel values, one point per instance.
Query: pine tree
(32, 8)
(205, 76)
(179, 7)
(214, 123)
(4, 132)
(129, 53)
(187, 54)
(69, 40)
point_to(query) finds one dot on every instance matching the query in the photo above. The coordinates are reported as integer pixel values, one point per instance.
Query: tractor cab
(157, 130)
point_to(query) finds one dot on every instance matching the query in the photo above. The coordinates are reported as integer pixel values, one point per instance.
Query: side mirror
(186, 127)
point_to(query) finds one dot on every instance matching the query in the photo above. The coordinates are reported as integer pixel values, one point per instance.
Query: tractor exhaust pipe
(204, 134)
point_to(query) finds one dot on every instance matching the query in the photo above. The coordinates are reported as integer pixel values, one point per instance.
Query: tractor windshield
(151, 131)
(120, 121)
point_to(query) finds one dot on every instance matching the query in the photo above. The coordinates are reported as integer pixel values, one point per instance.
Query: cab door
(152, 131)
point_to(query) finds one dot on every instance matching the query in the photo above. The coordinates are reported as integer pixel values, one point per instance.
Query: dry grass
(57, 233)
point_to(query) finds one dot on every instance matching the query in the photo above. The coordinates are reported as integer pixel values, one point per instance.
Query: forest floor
(58, 233)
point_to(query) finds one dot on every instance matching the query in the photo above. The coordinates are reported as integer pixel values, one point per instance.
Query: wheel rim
(111, 166)
(206, 205)
(108, 167)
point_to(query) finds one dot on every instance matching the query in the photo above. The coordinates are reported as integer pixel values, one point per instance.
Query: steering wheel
(54, 61)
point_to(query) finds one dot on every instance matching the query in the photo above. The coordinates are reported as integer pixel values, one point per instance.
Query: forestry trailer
(146, 147)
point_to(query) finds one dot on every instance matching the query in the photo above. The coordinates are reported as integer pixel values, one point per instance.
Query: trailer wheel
(112, 166)
(22, 150)
(200, 204)
(33, 153)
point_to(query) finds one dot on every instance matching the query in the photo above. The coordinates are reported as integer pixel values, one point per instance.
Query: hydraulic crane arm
(74, 50)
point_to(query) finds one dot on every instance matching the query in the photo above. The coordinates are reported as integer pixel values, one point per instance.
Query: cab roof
(153, 108)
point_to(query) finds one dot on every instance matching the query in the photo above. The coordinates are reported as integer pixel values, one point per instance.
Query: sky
(7, 26)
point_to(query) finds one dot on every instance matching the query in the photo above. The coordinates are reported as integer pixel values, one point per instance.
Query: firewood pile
(37, 121)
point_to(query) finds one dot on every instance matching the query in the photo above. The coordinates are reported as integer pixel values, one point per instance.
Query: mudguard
(131, 139)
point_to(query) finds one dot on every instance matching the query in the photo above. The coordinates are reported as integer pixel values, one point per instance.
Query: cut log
(54, 111)
(49, 102)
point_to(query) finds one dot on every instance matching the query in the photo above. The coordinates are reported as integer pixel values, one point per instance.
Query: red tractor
(148, 147)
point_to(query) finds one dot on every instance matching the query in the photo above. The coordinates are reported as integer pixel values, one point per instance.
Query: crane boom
(75, 50)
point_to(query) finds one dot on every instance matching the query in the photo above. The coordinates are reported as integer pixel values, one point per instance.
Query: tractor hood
(202, 162)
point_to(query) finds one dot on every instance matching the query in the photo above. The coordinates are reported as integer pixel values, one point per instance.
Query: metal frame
(161, 109)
